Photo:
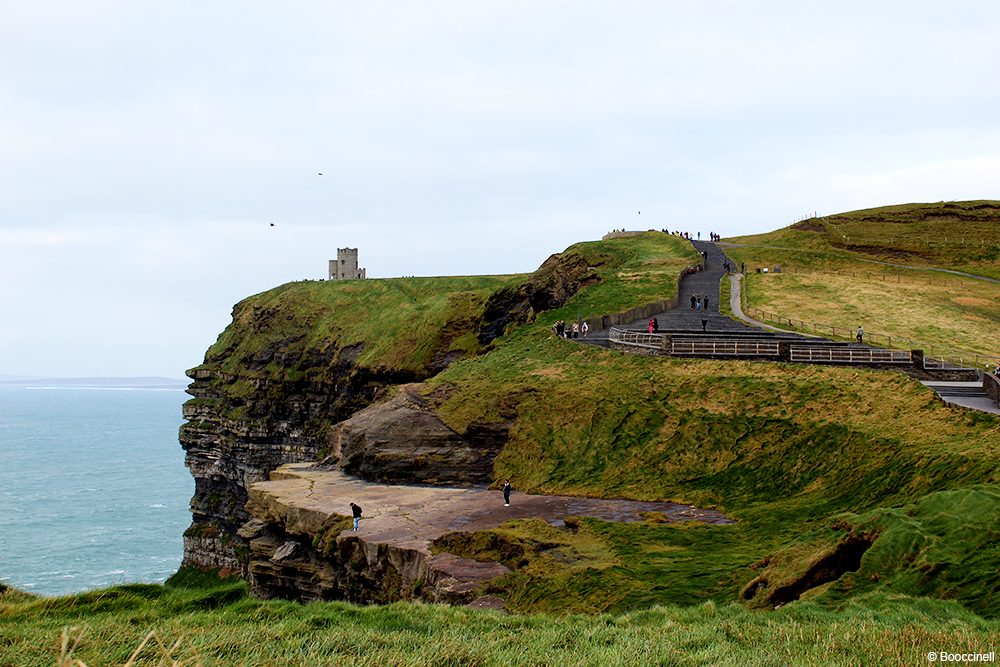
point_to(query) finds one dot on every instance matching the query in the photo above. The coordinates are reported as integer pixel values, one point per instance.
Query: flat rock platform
(414, 516)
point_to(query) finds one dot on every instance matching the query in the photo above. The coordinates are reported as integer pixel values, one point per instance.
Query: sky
(146, 149)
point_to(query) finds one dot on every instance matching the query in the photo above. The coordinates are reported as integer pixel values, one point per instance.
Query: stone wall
(991, 385)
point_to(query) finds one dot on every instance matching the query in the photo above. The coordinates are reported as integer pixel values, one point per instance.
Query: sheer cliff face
(299, 360)
(232, 441)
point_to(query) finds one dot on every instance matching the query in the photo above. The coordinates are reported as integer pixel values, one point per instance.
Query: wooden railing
(724, 348)
(813, 354)
(652, 341)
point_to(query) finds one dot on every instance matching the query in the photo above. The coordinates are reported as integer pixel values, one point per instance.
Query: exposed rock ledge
(297, 549)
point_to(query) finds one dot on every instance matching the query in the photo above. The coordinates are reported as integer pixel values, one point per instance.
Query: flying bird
(320, 173)
(272, 224)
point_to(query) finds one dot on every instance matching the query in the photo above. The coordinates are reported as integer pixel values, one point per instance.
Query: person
(651, 325)
(705, 303)
(697, 304)
(576, 329)
(743, 267)
(656, 326)
(584, 328)
(356, 512)
(692, 301)
(861, 335)
(506, 493)
(704, 323)
(996, 371)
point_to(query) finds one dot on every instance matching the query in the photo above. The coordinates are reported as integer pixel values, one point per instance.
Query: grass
(220, 625)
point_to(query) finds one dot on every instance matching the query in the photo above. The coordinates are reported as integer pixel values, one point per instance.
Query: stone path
(966, 394)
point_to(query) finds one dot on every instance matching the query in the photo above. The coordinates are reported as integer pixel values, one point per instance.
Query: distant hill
(963, 236)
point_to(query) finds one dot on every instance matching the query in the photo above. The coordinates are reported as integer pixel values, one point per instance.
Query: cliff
(299, 359)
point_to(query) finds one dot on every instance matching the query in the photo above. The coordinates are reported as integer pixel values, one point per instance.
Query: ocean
(93, 488)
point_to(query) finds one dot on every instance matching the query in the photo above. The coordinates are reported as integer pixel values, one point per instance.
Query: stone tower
(345, 267)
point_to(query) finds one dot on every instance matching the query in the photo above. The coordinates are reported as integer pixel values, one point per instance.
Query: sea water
(93, 488)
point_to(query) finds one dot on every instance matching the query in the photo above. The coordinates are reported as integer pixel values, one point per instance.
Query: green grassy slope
(828, 277)
(218, 624)
(633, 271)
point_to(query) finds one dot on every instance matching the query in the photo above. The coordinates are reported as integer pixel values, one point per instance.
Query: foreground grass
(221, 625)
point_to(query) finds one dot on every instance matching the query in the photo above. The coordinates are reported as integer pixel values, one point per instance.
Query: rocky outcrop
(556, 280)
(402, 440)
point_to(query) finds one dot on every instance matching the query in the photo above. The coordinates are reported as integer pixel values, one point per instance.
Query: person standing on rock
(356, 512)
(506, 493)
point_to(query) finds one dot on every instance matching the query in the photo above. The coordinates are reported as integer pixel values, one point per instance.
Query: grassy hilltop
(867, 513)
(838, 270)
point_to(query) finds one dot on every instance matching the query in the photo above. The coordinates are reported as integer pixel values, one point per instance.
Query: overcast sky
(146, 148)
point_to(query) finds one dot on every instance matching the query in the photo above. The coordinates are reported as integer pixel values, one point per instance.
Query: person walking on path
(356, 512)
(584, 328)
(861, 335)
(706, 303)
(692, 301)
(506, 493)
(651, 325)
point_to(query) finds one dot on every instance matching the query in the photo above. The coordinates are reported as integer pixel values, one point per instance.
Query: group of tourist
(728, 266)
(563, 330)
(714, 236)
(699, 303)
